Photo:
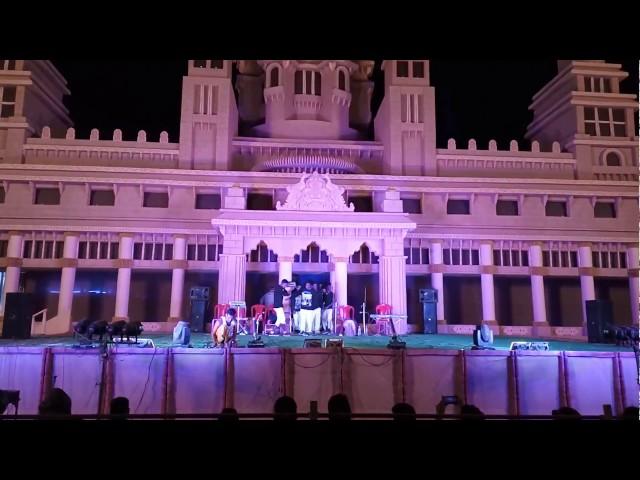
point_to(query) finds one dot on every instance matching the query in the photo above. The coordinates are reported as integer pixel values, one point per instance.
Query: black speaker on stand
(429, 300)
(199, 301)
(18, 310)
(599, 317)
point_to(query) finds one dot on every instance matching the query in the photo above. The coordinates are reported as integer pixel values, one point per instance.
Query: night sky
(474, 99)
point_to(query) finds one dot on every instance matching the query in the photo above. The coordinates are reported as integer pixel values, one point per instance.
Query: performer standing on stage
(306, 309)
(296, 302)
(317, 308)
(278, 297)
(224, 330)
(327, 309)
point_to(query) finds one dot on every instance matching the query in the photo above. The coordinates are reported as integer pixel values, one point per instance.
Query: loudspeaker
(428, 295)
(198, 309)
(18, 309)
(429, 317)
(199, 293)
(599, 315)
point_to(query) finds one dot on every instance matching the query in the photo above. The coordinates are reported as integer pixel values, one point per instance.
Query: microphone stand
(364, 313)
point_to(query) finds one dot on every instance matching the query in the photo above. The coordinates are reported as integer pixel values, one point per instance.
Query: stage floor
(446, 342)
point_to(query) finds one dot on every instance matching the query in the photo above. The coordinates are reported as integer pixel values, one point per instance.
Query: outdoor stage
(204, 380)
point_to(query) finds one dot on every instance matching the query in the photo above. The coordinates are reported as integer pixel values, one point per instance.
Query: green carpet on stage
(453, 342)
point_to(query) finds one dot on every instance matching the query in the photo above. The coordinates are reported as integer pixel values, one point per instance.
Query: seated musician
(225, 330)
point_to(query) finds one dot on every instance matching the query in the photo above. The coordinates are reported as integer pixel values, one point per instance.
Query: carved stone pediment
(315, 193)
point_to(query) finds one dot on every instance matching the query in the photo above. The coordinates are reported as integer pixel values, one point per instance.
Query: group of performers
(311, 307)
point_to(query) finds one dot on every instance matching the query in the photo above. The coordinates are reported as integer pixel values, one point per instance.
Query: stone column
(486, 280)
(285, 268)
(632, 266)
(437, 278)
(393, 280)
(14, 263)
(179, 265)
(587, 285)
(67, 280)
(232, 277)
(540, 324)
(125, 263)
(340, 280)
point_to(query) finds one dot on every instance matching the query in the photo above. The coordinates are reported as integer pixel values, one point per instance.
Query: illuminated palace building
(278, 174)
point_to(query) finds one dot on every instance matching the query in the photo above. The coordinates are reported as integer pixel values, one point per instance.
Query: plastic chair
(382, 324)
(345, 313)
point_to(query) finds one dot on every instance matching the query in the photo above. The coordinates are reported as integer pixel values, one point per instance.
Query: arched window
(274, 76)
(308, 82)
(613, 159)
(342, 80)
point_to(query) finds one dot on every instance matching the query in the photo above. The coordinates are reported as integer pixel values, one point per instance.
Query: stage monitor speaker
(199, 293)
(599, 316)
(18, 310)
(428, 295)
(429, 317)
(198, 311)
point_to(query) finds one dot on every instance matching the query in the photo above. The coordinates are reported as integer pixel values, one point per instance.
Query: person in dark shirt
(296, 301)
(279, 295)
(317, 308)
(306, 309)
(327, 309)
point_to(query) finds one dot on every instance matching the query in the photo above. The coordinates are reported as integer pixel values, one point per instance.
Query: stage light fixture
(312, 343)
(483, 338)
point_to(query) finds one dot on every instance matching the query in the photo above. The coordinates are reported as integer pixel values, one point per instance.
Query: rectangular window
(157, 252)
(573, 258)
(497, 259)
(545, 258)
(446, 256)
(555, 209)
(156, 200)
(217, 64)
(411, 205)
(93, 250)
(137, 251)
(515, 258)
(458, 207)
(418, 69)
(506, 207)
(4, 244)
(564, 259)
(59, 249)
(2, 194)
(207, 201)
(475, 257)
(114, 250)
(7, 101)
(102, 198)
(595, 259)
(361, 204)
(604, 122)
(623, 260)
(200, 63)
(465, 257)
(425, 256)
(259, 201)
(47, 196)
(455, 256)
(614, 260)
(597, 84)
(604, 210)
(402, 69)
